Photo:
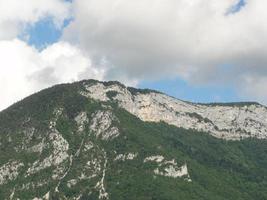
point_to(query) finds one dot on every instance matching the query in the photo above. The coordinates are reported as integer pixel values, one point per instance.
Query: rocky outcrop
(102, 126)
(168, 168)
(230, 122)
(9, 171)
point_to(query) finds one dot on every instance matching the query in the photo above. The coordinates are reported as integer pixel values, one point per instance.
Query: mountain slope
(92, 140)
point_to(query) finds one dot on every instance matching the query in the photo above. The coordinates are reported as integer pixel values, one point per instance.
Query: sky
(197, 50)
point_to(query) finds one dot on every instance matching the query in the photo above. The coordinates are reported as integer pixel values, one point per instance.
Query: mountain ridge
(183, 113)
(241, 103)
(176, 110)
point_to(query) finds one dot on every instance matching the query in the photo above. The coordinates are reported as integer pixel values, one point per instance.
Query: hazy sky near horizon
(197, 50)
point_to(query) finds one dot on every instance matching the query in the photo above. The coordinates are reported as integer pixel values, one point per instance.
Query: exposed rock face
(221, 121)
(157, 159)
(9, 171)
(168, 168)
(60, 147)
(102, 125)
(123, 157)
(81, 121)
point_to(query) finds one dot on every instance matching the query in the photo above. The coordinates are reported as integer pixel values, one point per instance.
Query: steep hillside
(95, 140)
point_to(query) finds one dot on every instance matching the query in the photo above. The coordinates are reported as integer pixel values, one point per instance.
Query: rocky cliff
(227, 121)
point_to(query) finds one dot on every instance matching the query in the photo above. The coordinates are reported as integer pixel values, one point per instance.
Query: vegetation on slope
(219, 169)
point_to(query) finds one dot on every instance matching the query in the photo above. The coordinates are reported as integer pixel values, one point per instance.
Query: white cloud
(126, 40)
(15, 15)
(255, 87)
(198, 40)
(24, 70)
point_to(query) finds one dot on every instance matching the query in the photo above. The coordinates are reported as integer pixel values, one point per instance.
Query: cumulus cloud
(15, 15)
(255, 86)
(24, 70)
(202, 41)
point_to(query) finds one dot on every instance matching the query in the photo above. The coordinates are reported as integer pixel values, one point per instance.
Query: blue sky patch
(182, 90)
(237, 7)
(44, 33)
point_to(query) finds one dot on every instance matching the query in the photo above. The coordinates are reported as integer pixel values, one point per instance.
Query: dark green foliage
(199, 117)
(111, 94)
(141, 91)
(219, 169)
(233, 104)
(109, 83)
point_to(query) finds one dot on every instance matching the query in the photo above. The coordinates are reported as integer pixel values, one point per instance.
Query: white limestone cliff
(102, 125)
(9, 171)
(221, 121)
(168, 168)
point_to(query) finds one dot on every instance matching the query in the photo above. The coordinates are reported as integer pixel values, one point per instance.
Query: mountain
(102, 140)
